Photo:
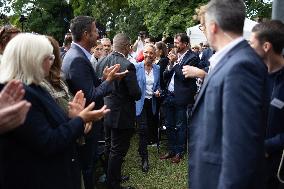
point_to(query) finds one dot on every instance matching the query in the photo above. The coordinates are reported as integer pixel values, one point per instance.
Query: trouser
(120, 142)
(87, 156)
(147, 128)
(176, 124)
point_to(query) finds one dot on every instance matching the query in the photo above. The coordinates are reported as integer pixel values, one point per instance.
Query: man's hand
(172, 58)
(193, 72)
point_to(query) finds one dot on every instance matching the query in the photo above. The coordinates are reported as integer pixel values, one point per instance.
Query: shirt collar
(180, 56)
(87, 53)
(217, 57)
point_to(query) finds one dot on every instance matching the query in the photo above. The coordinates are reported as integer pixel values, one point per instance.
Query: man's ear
(267, 46)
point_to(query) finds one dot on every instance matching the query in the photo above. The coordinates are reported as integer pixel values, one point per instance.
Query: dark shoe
(124, 178)
(145, 165)
(176, 158)
(167, 156)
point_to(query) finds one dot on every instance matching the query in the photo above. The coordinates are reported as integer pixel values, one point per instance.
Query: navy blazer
(204, 60)
(228, 124)
(40, 153)
(184, 88)
(140, 73)
(80, 75)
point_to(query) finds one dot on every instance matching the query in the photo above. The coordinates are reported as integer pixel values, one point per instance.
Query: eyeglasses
(202, 27)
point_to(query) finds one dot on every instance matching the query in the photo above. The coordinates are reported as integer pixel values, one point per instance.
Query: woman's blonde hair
(23, 58)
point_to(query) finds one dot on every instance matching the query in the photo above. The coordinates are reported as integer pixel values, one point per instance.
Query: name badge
(277, 103)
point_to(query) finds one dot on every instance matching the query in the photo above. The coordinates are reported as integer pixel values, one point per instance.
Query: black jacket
(124, 93)
(184, 88)
(41, 153)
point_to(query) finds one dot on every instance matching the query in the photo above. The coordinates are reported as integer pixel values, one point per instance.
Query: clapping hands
(13, 109)
(111, 73)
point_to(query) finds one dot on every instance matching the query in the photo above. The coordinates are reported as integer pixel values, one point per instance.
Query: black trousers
(120, 142)
(147, 128)
(87, 155)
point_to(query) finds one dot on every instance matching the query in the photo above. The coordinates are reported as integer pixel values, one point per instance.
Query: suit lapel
(80, 51)
(186, 57)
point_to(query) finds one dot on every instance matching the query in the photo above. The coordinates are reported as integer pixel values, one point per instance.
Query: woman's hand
(88, 114)
(157, 93)
(13, 109)
(77, 104)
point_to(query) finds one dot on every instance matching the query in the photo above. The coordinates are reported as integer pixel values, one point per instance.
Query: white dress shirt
(171, 86)
(219, 55)
(149, 84)
(87, 53)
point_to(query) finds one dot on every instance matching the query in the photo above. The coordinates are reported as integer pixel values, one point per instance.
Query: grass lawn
(162, 174)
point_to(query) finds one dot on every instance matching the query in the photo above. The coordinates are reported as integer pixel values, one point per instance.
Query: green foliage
(44, 17)
(158, 17)
(258, 10)
(167, 17)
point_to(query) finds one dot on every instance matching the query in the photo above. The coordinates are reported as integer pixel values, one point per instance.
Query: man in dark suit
(119, 124)
(267, 39)
(204, 58)
(180, 95)
(226, 149)
(80, 75)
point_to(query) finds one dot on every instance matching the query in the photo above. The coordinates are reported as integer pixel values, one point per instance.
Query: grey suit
(227, 129)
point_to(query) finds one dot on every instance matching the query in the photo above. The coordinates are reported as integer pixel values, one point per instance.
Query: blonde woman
(41, 153)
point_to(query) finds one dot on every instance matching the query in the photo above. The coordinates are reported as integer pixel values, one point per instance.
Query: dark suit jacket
(184, 88)
(275, 131)
(125, 92)
(204, 60)
(163, 63)
(228, 124)
(39, 153)
(80, 75)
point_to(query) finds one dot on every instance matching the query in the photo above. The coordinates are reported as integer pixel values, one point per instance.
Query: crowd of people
(222, 102)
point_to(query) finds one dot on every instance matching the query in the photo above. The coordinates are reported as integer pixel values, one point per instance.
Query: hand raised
(12, 93)
(13, 115)
(88, 114)
(77, 104)
(112, 74)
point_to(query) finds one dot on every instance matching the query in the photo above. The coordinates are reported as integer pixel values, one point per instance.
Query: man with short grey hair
(119, 123)
(226, 149)
(106, 42)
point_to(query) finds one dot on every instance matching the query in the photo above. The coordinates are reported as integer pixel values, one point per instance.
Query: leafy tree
(167, 17)
(44, 17)
(258, 10)
(158, 17)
